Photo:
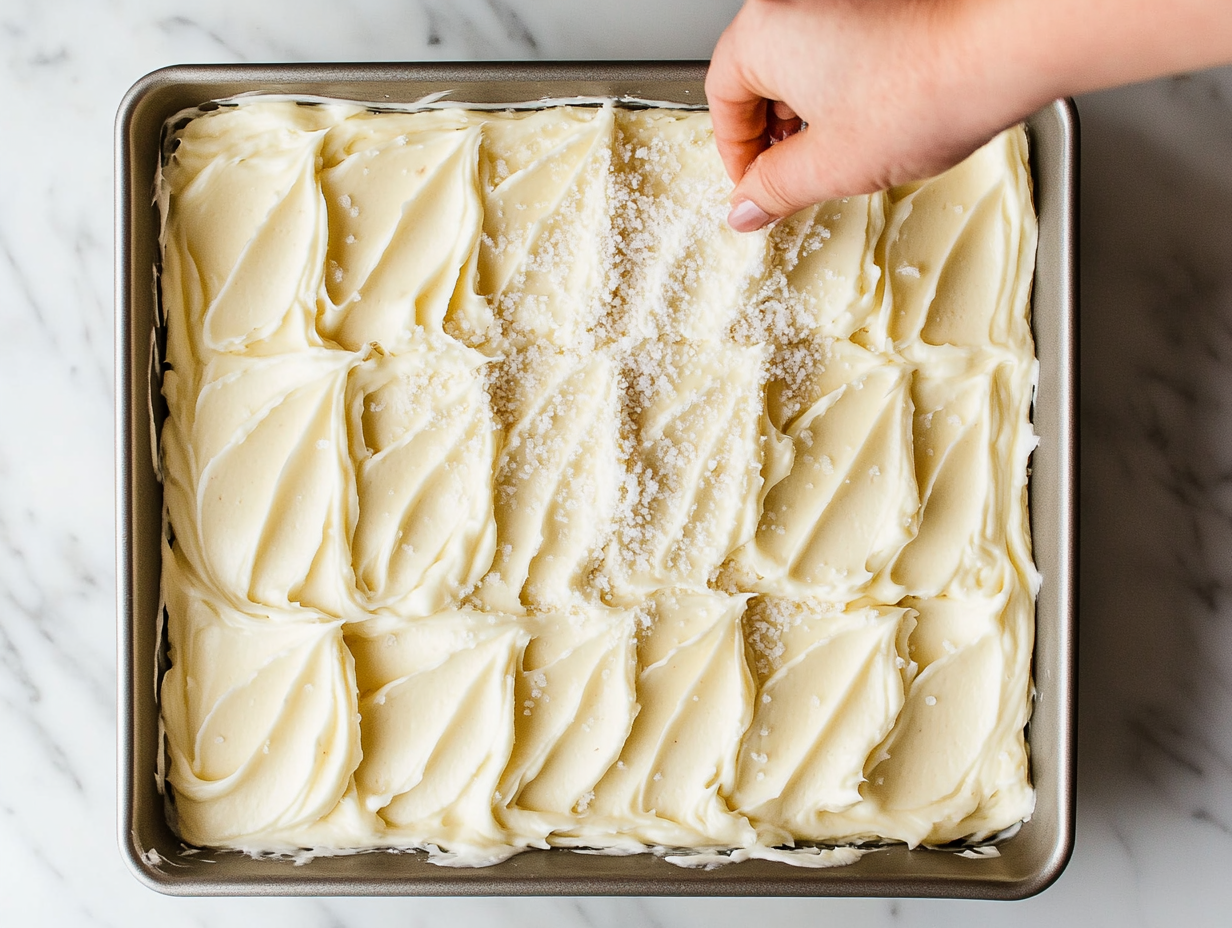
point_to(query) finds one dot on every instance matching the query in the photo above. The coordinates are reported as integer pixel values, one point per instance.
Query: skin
(815, 99)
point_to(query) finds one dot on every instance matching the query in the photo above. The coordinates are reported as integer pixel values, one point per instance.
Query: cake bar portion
(436, 702)
(964, 449)
(260, 716)
(679, 761)
(958, 254)
(402, 194)
(557, 477)
(822, 277)
(545, 255)
(258, 484)
(830, 684)
(849, 501)
(422, 440)
(244, 231)
(681, 271)
(575, 702)
(693, 449)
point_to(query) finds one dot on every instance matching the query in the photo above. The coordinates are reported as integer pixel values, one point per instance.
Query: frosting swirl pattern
(515, 501)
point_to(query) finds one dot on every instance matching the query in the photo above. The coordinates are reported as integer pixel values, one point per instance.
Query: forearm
(1044, 49)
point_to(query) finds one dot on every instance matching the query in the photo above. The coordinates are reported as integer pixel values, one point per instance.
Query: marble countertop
(1154, 843)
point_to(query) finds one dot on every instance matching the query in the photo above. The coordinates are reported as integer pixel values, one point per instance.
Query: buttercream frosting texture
(513, 500)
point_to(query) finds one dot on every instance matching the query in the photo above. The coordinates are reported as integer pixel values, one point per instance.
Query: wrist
(1044, 49)
(997, 59)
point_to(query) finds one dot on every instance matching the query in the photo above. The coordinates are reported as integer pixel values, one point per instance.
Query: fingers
(737, 109)
(782, 112)
(782, 180)
(783, 122)
(747, 123)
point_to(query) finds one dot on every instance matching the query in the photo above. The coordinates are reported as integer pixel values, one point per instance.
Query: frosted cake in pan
(515, 501)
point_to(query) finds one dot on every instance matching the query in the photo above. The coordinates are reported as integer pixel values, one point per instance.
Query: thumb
(780, 181)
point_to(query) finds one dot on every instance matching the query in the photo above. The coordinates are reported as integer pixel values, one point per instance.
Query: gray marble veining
(1155, 722)
(1156, 444)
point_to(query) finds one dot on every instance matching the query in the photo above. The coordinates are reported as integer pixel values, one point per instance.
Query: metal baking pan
(1029, 861)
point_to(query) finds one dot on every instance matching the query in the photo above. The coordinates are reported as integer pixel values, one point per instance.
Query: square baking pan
(1029, 860)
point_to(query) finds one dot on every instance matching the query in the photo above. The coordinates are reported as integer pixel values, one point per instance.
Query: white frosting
(695, 455)
(515, 501)
(546, 225)
(260, 714)
(831, 685)
(696, 695)
(576, 700)
(557, 479)
(387, 270)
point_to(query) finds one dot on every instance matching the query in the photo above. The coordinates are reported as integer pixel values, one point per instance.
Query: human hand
(888, 90)
(892, 91)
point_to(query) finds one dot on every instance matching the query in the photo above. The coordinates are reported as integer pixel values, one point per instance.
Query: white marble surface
(1155, 780)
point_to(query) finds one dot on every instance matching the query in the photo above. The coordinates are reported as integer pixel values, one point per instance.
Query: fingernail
(747, 216)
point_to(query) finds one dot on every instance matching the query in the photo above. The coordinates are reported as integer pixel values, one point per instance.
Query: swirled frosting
(513, 500)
